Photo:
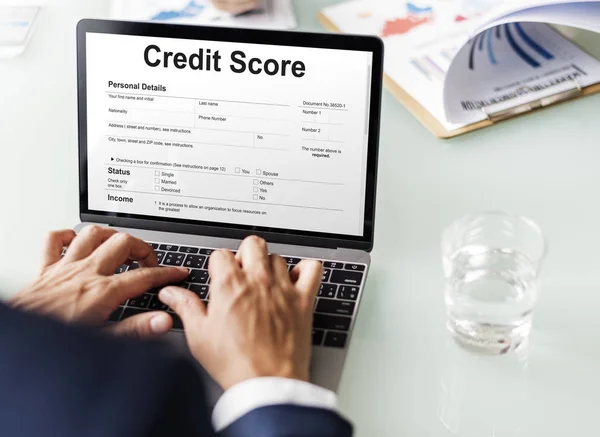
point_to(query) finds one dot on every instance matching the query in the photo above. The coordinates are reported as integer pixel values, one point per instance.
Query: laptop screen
(261, 136)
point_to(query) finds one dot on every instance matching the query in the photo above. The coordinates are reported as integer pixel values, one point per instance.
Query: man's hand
(81, 286)
(259, 320)
(235, 7)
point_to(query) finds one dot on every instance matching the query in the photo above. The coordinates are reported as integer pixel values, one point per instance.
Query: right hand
(235, 7)
(259, 321)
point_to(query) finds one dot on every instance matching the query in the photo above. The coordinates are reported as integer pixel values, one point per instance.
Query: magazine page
(511, 65)
(271, 14)
(421, 38)
(582, 14)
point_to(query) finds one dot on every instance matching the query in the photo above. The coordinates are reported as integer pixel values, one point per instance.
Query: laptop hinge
(175, 228)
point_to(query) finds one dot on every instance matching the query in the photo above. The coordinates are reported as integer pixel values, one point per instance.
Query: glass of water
(492, 264)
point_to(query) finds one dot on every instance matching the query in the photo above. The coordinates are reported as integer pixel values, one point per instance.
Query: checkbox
(255, 181)
(157, 181)
(156, 173)
(237, 169)
(156, 188)
(256, 197)
(256, 189)
(258, 172)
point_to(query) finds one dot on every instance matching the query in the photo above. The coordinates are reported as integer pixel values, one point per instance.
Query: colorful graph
(417, 10)
(416, 16)
(435, 65)
(484, 43)
(192, 9)
(400, 26)
(474, 8)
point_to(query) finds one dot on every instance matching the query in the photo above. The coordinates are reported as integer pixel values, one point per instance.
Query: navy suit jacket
(65, 381)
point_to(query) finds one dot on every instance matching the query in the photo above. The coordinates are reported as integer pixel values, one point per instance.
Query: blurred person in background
(235, 7)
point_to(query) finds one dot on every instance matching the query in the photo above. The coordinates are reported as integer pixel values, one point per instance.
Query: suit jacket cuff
(256, 393)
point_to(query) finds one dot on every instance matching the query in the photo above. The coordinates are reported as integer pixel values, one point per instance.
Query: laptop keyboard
(334, 307)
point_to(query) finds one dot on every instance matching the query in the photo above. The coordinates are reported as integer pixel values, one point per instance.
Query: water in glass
(490, 293)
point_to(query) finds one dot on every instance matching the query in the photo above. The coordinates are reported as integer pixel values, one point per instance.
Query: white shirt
(255, 393)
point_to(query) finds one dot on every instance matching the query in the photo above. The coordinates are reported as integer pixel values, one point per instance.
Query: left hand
(81, 286)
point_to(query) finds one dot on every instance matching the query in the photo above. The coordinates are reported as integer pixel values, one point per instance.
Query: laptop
(193, 138)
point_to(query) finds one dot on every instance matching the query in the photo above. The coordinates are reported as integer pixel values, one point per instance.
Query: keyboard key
(327, 290)
(154, 245)
(347, 292)
(140, 301)
(355, 267)
(177, 323)
(335, 339)
(200, 290)
(206, 251)
(121, 269)
(114, 317)
(291, 261)
(129, 312)
(173, 259)
(333, 265)
(346, 277)
(198, 276)
(134, 265)
(326, 321)
(335, 307)
(159, 256)
(157, 305)
(194, 261)
(326, 275)
(188, 249)
(317, 337)
(169, 247)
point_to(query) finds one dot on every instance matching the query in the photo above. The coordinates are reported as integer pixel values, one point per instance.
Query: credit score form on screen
(248, 134)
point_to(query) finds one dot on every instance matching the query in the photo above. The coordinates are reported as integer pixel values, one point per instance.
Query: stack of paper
(17, 20)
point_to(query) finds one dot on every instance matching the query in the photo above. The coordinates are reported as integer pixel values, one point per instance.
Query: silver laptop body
(189, 242)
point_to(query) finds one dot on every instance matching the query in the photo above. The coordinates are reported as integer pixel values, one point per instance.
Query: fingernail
(167, 294)
(184, 269)
(160, 324)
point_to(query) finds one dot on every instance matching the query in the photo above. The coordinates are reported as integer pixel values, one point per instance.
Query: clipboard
(435, 127)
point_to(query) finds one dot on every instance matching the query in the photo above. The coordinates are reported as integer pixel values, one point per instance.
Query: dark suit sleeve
(61, 381)
(65, 381)
(289, 421)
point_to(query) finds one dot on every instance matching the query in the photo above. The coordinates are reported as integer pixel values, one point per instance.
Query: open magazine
(465, 61)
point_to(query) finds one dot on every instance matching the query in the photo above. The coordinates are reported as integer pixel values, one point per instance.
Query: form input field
(151, 116)
(165, 104)
(235, 124)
